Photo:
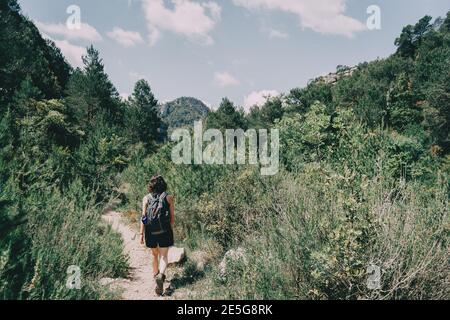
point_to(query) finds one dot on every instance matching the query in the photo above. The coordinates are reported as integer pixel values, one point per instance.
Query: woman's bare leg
(163, 261)
(155, 254)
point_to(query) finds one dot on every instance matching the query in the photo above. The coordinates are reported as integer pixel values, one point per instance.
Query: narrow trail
(140, 285)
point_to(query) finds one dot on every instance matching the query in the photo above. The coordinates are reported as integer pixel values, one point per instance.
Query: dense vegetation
(364, 182)
(64, 136)
(364, 177)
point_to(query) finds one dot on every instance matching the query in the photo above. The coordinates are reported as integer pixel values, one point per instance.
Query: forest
(363, 179)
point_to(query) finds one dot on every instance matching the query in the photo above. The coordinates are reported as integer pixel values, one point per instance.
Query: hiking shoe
(160, 278)
(169, 290)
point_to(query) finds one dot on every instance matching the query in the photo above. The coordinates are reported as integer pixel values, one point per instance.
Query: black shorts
(163, 240)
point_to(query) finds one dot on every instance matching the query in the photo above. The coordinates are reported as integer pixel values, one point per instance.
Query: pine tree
(91, 95)
(411, 37)
(143, 121)
(272, 110)
(226, 117)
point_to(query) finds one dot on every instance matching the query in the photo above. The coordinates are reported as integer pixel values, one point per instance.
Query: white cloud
(276, 34)
(153, 36)
(214, 9)
(225, 79)
(194, 20)
(258, 98)
(323, 16)
(239, 61)
(125, 38)
(86, 32)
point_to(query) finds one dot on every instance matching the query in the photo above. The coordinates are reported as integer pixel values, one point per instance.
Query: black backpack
(158, 213)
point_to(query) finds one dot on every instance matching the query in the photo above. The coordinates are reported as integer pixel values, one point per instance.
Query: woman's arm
(144, 210)
(171, 202)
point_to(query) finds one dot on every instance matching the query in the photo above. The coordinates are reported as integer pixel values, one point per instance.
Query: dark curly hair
(157, 185)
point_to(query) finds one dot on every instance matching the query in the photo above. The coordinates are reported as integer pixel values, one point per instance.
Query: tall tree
(266, 115)
(411, 37)
(91, 95)
(142, 118)
(272, 110)
(226, 117)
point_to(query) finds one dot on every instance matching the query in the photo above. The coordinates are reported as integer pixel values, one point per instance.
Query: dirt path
(140, 285)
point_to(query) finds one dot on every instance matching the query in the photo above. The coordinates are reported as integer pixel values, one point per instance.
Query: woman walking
(157, 227)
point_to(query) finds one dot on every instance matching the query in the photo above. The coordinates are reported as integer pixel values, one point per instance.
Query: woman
(157, 227)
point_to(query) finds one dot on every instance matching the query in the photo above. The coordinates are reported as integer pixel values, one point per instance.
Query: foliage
(23, 53)
(142, 119)
(364, 177)
(324, 230)
(91, 95)
(364, 182)
(60, 150)
(226, 117)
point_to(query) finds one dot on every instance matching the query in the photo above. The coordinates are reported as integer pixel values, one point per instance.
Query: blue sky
(241, 49)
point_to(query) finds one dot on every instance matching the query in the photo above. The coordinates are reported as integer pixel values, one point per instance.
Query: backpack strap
(150, 202)
(149, 199)
(162, 197)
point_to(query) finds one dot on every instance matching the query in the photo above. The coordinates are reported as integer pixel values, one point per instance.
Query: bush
(329, 229)
(66, 229)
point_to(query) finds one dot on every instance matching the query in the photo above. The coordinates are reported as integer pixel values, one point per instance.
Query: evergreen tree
(266, 115)
(272, 110)
(91, 95)
(226, 117)
(411, 37)
(142, 118)
(254, 118)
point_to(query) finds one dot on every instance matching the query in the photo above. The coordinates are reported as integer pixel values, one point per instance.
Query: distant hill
(182, 112)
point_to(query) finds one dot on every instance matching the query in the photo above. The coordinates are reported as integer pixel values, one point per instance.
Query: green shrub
(66, 229)
(329, 229)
